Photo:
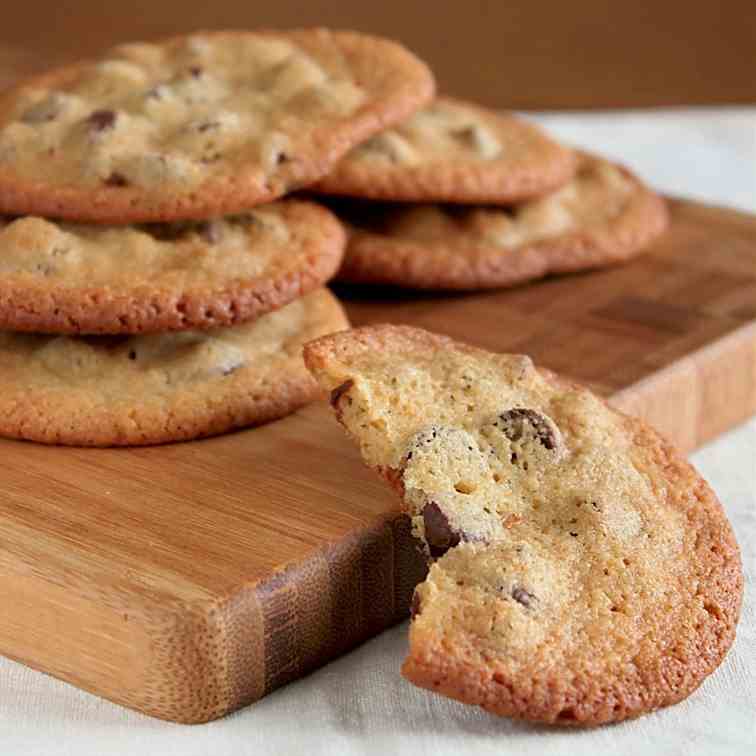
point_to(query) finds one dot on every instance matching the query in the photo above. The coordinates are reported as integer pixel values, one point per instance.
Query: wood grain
(538, 54)
(186, 581)
(189, 580)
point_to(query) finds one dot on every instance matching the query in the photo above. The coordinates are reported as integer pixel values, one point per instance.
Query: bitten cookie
(75, 278)
(454, 151)
(120, 391)
(603, 216)
(198, 126)
(585, 573)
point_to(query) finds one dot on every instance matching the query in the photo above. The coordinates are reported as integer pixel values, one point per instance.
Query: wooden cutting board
(189, 580)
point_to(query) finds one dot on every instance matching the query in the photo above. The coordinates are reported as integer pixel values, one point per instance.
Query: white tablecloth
(359, 704)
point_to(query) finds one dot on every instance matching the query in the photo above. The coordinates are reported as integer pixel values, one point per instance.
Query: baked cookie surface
(198, 126)
(58, 277)
(453, 151)
(584, 572)
(151, 389)
(602, 216)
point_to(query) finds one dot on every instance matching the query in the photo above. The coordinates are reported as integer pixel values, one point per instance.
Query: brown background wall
(522, 53)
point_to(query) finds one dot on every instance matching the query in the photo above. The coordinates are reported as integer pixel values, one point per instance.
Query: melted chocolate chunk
(466, 134)
(231, 368)
(207, 126)
(521, 596)
(439, 534)
(516, 422)
(339, 391)
(116, 179)
(101, 120)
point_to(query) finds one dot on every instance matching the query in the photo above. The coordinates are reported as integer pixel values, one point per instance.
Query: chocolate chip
(100, 120)
(116, 179)
(439, 534)
(195, 71)
(466, 134)
(516, 422)
(521, 596)
(339, 391)
(416, 605)
(207, 126)
(231, 368)
(282, 158)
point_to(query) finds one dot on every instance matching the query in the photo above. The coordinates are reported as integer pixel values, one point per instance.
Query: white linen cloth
(359, 704)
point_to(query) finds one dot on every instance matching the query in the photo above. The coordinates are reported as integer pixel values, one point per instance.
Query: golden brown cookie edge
(115, 309)
(373, 258)
(462, 182)
(42, 417)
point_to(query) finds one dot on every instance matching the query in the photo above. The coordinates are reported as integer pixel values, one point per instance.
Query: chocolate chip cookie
(198, 126)
(454, 151)
(602, 216)
(582, 571)
(151, 389)
(75, 278)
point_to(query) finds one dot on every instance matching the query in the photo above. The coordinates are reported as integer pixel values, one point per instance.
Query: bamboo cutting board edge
(192, 660)
(692, 401)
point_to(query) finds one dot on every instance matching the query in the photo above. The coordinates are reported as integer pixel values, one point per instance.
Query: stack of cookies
(153, 286)
(168, 287)
(458, 197)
